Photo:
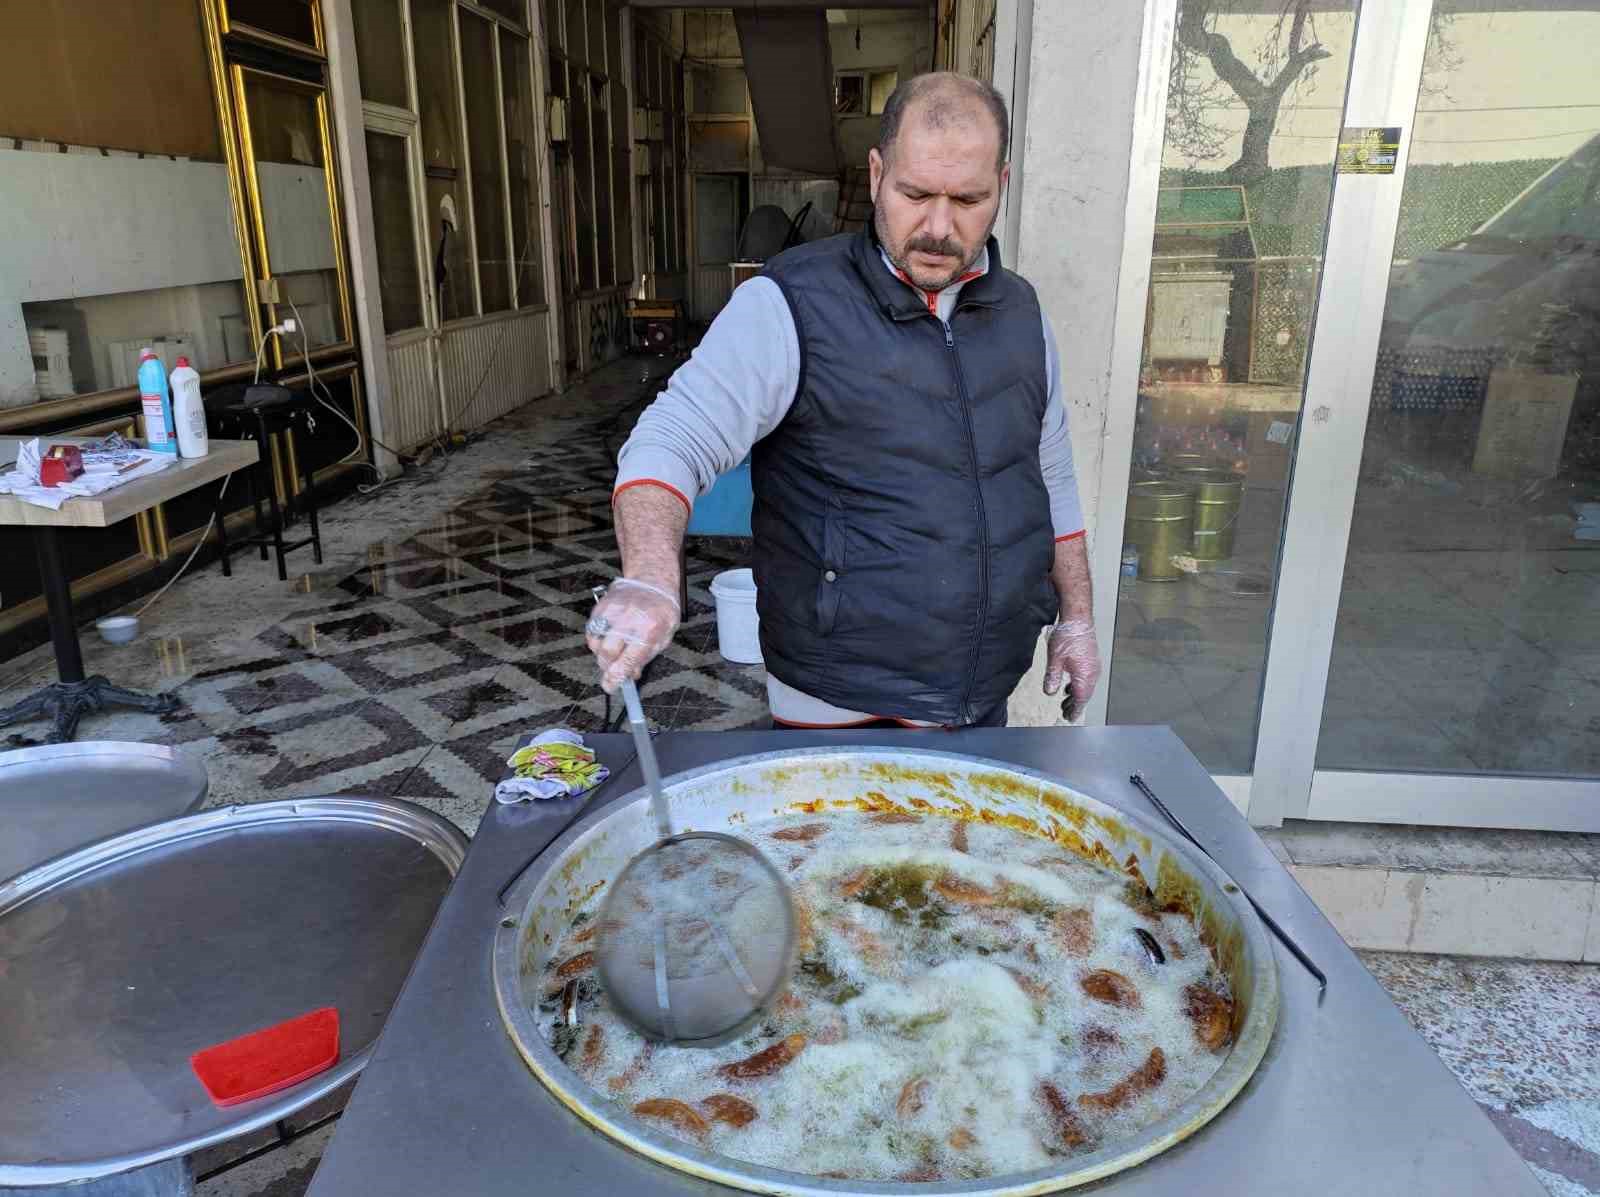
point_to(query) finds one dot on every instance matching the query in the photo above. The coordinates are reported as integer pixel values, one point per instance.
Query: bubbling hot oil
(972, 1002)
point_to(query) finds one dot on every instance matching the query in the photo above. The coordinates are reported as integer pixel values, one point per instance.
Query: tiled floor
(447, 620)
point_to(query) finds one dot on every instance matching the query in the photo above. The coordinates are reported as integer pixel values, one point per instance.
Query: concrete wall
(1079, 136)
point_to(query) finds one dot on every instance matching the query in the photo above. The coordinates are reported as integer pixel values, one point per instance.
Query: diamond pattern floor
(447, 621)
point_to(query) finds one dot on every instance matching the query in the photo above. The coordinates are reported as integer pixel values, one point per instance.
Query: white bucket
(738, 629)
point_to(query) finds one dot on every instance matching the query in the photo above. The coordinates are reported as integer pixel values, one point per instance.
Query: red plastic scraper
(270, 1059)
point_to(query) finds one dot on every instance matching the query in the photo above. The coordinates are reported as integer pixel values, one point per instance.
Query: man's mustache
(945, 247)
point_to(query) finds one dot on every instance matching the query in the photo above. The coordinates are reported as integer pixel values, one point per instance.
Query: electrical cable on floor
(193, 553)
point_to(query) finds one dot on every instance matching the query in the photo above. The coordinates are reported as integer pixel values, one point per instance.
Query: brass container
(1161, 523)
(1177, 463)
(1217, 497)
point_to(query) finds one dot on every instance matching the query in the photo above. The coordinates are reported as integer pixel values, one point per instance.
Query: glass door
(1361, 543)
(1463, 665)
(1247, 169)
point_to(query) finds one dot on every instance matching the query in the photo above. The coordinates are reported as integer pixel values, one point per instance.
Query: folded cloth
(557, 764)
(99, 474)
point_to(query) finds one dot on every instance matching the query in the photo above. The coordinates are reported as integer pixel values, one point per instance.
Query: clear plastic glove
(1073, 657)
(631, 623)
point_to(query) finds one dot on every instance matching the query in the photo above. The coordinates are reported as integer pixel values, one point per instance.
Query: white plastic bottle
(188, 412)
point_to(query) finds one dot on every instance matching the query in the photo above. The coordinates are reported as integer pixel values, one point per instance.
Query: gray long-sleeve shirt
(741, 381)
(739, 385)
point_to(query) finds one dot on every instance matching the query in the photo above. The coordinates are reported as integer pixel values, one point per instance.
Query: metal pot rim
(1246, 1053)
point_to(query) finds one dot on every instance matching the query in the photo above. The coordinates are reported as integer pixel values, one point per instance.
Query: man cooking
(916, 513)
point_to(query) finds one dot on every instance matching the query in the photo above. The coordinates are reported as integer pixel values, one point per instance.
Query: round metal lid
(121, 960)
(58, 797)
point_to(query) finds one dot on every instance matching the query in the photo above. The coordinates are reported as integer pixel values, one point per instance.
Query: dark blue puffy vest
(902, 528)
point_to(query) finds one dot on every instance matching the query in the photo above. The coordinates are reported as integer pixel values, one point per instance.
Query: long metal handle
(1284, 937)
(647, 759)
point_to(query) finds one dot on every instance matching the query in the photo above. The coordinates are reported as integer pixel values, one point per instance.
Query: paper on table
(23, 481)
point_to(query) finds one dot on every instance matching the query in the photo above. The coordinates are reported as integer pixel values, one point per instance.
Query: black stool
(259, 411)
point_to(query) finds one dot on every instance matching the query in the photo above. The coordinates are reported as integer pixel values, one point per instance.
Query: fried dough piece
(594, 1046)
(1143, 1079)
(1107, 985)
(958, 837)
(913, 1097)
(766, 1061)
(1064, 1119)
(1211, 1013)
(581, 963)
(961, 1138)
(805, 928)
(1074, 931)
(669, 1109)
(963, 892)
(725, 1107)
(802, 834)
(893, 817)
(853, 883)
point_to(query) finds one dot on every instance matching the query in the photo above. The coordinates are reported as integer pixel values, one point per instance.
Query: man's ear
(875, 170)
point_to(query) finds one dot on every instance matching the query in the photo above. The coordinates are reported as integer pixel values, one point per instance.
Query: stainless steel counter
(1348, 1100)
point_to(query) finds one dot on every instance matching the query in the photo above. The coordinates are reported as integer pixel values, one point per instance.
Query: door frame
(1385, 77)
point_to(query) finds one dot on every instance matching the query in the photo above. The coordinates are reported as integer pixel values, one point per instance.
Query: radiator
(413, 415)
(495, 366)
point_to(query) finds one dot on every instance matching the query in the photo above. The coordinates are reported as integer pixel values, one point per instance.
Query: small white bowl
(118, 629)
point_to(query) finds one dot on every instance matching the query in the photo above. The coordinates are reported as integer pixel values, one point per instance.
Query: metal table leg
(66, 701)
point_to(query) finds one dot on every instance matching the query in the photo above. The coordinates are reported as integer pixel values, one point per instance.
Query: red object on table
(60, 463)
(270, 1059)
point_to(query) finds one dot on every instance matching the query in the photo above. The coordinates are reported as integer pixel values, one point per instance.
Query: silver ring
(598, 625)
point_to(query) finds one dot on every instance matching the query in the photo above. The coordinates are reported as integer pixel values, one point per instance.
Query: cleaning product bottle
(157, 404)
(188, 412)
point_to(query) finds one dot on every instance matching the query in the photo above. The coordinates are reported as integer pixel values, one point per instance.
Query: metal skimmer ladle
(697, 935)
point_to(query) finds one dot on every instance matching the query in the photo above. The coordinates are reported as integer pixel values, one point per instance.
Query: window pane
(1241, 222)
(522, 168)
(600, 128)
(881, 86)
(551, 10)
(577, 30)
(291, 171)
(398, 282)
(91, 295)
(582, 179)
(292, 19)
(1467, 638)
(597, 36)
(445, 213)
(849, 94)
(621, 144)
(483, 142)
(380, 51)
(510, 9)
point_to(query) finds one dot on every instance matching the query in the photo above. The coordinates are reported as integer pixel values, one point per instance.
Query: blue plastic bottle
(160, 436)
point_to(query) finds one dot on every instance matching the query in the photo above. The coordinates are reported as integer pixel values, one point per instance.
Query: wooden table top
(118, 503)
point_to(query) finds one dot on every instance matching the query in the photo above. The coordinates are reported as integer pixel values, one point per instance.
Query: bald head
(944, 100)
